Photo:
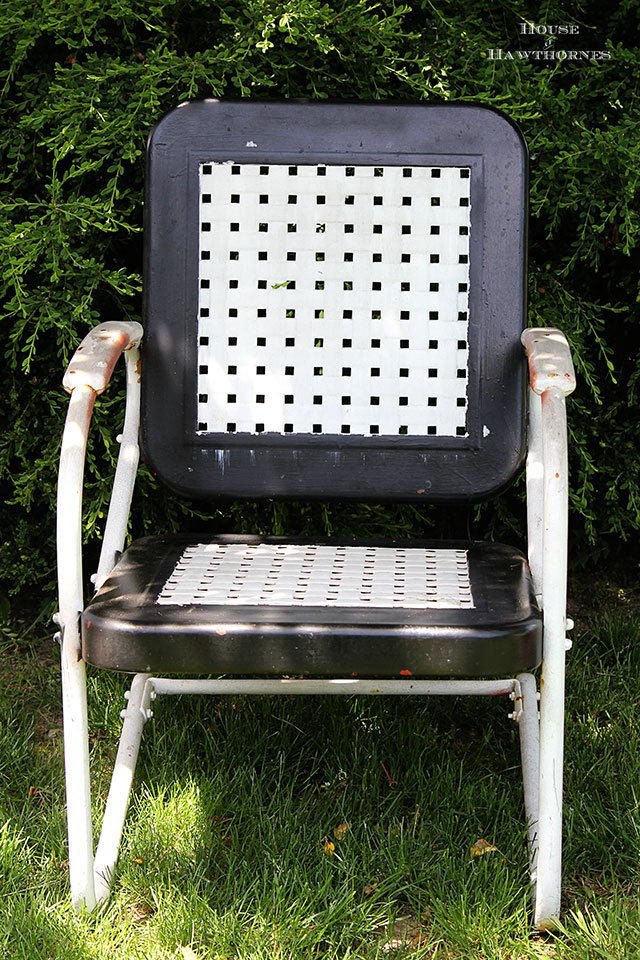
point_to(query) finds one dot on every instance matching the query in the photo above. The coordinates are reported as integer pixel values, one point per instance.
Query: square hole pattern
(333, 299)
(315, 575)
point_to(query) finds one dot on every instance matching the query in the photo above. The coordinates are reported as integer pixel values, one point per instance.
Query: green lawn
(333, 828)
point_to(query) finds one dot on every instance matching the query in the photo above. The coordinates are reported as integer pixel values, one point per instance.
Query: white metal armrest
(93, 362)
(550, 363)
(87, 376)
(551, 373)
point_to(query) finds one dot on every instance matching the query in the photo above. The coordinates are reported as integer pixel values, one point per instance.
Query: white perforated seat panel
(333, 299)
(313, 575)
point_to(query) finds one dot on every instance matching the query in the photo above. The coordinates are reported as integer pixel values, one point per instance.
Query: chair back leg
(135, 716)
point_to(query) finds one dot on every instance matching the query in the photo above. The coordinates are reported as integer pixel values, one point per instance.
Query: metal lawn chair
(335, 298)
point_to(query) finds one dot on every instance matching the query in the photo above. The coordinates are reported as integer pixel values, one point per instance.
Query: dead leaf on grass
(404, 932)
(482, 846)
(139, 913)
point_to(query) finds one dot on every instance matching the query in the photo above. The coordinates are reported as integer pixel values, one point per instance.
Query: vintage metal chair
(335, 296)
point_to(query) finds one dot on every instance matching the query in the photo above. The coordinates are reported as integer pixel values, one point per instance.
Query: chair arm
(550, 363)
(93, 362)
(552, 378)
(88, 375)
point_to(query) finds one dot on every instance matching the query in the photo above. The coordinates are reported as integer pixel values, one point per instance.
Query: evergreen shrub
(82, 84)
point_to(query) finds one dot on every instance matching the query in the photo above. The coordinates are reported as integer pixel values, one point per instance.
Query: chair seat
(246, 605)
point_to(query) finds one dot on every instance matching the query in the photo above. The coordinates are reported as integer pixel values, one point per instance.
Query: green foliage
(82, 84)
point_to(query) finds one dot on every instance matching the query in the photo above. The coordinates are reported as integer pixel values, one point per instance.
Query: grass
(333, 828)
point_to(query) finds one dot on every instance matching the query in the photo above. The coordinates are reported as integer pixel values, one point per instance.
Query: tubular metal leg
(135, 717)
(548, 872)
(91, 885)
(554, 588)
(76, 761)
(528, 724)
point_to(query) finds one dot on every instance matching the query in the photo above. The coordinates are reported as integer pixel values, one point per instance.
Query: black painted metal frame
(329, 466)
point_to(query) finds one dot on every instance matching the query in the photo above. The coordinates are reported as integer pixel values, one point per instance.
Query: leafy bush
(83, 82)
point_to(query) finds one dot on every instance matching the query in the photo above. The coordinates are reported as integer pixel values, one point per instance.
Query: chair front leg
(74, 694)
(76, 762)
(552, 680)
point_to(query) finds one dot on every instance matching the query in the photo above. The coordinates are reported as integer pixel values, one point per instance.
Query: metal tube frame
(125, 478)
(541, 744)
(554, 591)
(145, 689)
(552, 379)
(93, 361)
(74, 694)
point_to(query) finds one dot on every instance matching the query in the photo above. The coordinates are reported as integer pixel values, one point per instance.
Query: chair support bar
(162, 686)
(117, 518)
(535, 491)
(146, 688)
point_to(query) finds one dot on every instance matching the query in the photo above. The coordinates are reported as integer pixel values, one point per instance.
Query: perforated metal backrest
(317, 314)
(334, 300)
